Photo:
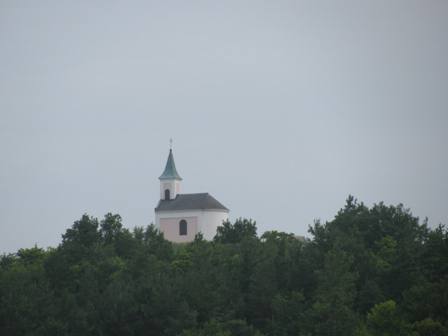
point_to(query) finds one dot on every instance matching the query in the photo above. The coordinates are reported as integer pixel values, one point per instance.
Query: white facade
(204, 221)
(173, 186)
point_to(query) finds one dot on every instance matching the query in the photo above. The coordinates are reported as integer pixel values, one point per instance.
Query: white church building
(181, 216)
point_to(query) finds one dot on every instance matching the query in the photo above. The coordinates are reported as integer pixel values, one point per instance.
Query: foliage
(369, 271)
(385, 320)
(235, 233)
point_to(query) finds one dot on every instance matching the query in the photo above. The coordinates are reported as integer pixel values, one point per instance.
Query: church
(181, 216)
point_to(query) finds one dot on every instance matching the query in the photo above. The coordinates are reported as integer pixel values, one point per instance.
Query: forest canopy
(371, 271)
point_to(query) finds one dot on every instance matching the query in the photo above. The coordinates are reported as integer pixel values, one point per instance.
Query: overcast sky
(280, 109)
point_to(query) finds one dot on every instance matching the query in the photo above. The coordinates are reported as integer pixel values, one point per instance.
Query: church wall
(172, 185)
(210, 221)
(207, 223)
(176, 217)
(176, 214)
(170, 228)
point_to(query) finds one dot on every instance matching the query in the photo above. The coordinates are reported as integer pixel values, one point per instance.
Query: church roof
(202, 201)
(170, 172)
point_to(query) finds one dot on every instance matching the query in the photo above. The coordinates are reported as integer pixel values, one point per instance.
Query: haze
(280, 109)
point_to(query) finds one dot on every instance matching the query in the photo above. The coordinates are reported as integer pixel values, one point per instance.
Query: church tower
(169, 180)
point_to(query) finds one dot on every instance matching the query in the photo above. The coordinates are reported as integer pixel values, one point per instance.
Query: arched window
(183, 227)
(167, 194)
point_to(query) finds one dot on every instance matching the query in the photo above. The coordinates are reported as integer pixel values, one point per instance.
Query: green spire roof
(170, 172)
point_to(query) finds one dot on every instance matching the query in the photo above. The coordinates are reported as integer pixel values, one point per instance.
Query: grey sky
(279, 109)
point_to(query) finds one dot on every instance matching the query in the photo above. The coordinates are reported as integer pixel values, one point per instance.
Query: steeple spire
(170, 172)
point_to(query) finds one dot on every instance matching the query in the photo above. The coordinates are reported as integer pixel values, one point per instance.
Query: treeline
(369, 272)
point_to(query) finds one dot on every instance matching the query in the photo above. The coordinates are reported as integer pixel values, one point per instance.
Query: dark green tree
(235, 233)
